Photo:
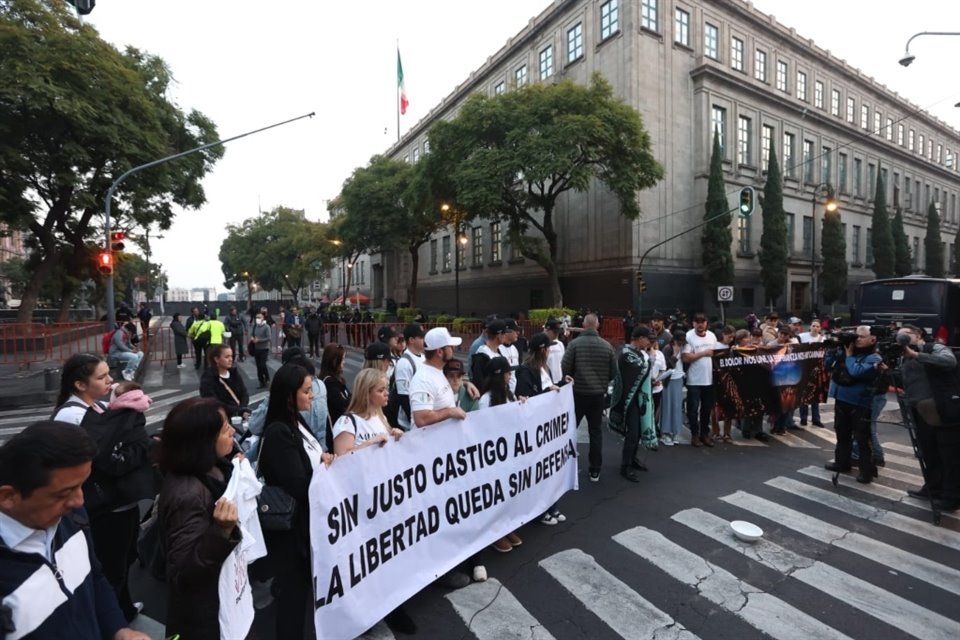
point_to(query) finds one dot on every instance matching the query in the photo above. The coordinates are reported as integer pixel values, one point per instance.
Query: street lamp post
(830, 205)
(908, 58)
(460, 240)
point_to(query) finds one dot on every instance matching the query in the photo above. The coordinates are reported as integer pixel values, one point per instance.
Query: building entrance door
(799, 295)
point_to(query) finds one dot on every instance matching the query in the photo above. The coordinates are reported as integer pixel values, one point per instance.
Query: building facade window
(939, 159)
(842, 168)
(818, 94)
(907, 198)
(711, 41)
(743, 234)
(744, 127)
(496, 243)
(434, 256)
(851, 110)
(864, 117)
(871, 180)
(835, 102)
(826, 164)
(877, 129)
(782, 75)
(920, 145)
(802, 85)
(766, 142)
(855, 245)
(520, 75)
(910, 140)
(575, 42)
(500, 88)
(868, 247)
(789, 144)
(857, 175)
(719, 121)
(900, 135)
(736, 53)
(546, 62)
(447, 256)
(760, 65)
(896, 189)
(808, 161)
(791, 232)
(681, 27)
(807, 233)
(649, 18)
(477, 246)
(889, 130)
(930, 149)
(609, 18)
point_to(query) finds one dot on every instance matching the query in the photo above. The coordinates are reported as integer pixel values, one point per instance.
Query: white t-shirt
(403, 375)
(658, 366)
(554, 358)
(74, 414)
(546, 380)
(311, 446)
(366, 427)
(484, 402)
(510, 352)
(806, 337)
(430, 391)
(700, 372)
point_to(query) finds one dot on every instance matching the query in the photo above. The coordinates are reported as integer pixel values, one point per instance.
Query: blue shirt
(864, 370)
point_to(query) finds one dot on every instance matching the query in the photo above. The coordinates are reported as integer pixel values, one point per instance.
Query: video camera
(889, 348)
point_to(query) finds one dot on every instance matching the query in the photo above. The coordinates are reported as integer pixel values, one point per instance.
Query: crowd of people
(96, 453)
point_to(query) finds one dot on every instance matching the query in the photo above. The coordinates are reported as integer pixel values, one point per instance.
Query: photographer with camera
(923, 367)
(854, 368)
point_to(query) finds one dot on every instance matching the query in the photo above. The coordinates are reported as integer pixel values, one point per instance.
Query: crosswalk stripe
(752, 442)
(824, 433)
(26, 417)
(900, 476)
(903, 461)
(860, 594)
(912, 526)
(761, 610)
(896, 446)
(623, 609)
(879, 490)
(919, 567)
(493, 613)
(795, 441)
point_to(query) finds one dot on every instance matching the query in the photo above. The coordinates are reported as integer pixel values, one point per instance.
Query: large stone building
(691, 67)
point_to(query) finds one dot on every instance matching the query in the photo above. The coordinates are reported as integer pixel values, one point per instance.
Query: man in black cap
(554, 330)
(398, 407)
(509, 350)
(495, 336)
(388, 336)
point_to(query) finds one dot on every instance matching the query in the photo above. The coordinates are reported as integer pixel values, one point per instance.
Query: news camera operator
(854, 367)
(923, 366)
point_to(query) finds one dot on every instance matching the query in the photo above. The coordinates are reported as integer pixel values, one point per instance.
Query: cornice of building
(782, 34)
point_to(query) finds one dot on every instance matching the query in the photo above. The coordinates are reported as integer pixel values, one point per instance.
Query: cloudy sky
(249, 64)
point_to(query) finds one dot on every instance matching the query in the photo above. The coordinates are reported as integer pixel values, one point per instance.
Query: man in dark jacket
(51, 585)
(590, 361)
(234, 324)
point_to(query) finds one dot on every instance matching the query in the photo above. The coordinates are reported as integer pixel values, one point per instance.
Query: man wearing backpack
(412, 358)
(928, 371)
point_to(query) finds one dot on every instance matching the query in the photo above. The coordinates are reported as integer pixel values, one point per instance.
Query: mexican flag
(404, 103)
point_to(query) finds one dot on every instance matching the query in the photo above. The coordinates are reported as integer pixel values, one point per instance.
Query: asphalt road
(656, 559)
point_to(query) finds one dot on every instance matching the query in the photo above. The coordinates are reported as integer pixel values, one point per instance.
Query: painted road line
(502, 617)
(879, 490)
(910, 462)
(620, 607)
(761, 610)
(896, 446)
(859, 594)
(824, 433)
(752, 442)
(792, 440)
(912, 526)
(900, 476)
(921, 568)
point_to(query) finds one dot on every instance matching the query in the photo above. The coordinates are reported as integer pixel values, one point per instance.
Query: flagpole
(398, 95)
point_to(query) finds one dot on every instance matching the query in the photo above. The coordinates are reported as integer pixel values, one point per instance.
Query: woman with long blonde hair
(363, 424)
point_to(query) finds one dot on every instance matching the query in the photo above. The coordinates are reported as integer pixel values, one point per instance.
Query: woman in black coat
(331, 374)
(180, 346)
(288, 455)
(222, 381)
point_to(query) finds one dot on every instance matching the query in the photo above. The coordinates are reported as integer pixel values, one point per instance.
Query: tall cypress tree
(717, 236)
(902, 265)
(834, 278)
(773, 241)
(932, 248)
(883, 251)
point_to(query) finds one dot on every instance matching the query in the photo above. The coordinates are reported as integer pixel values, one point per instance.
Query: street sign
(316, 264)
(724, 294)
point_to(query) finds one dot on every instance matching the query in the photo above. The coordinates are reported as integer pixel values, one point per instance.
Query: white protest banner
(387, 521)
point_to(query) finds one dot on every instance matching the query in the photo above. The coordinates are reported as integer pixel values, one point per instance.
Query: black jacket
(284, 463)
(528, 382)
(213, 386)
(338, 397)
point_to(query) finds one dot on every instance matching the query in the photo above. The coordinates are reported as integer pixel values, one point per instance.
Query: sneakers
(695, 441)
(548, 520)
(629, 474)
(514, 539)
(667, 440)
(707, 441)
(503, 545)
(479, 573)
(556, 515)
(454, 579)
(181, 366)
(594, 476)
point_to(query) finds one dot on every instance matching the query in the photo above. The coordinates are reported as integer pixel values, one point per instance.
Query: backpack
(839, 374)
(328, 435)
(105, 342)
(946, 391)
(392, 410)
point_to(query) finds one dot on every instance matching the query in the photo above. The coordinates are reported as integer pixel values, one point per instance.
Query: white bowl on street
(746, 531)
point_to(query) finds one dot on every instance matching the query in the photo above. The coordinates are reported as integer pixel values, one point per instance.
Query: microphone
(903, 339)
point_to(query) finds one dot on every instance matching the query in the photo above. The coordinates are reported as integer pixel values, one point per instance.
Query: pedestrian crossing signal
(746, 201)
(105, 263)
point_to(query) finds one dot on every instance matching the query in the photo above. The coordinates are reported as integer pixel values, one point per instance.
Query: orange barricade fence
(24, 343)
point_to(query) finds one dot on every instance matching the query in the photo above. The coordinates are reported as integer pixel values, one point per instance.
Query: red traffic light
(105, 263)
(116, 240)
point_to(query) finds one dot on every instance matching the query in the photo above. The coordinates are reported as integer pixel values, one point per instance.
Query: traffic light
(116, 240)
(641, 285)
(746, 201)
(105, 263)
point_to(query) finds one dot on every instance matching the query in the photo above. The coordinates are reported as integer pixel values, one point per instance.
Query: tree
(932, 249)
(76, 113)
(955, 266)
(902, 264)
(883, 247)
(387, 206)
(773, 240)
(277, 249)
(512, 157)
(717, 237)
(834, 248)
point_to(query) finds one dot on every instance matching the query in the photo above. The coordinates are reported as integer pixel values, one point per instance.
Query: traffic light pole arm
(111, 311)
(674, 237)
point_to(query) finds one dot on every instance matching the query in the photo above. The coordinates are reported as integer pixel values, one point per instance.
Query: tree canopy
(834, 280)
(513, 156)
(902, 264)
(717, 236)
(75, 113)
(883, 247)
(773, 240)
(932, 248)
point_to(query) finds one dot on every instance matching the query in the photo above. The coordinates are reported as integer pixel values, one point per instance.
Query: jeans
(129, 359)
(236, 345)
(671, 417)
(878, 403)
(853, 422)
(699, 406)
(814, 413)
(592, 407)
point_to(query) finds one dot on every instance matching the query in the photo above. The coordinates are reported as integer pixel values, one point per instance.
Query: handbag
(275, 505)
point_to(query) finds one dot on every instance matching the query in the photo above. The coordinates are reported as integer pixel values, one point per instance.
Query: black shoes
(833, 466)
(947, 504)
(762, 437)
(817, 423)
(629, 474)
(400, 621)
(922, 493)
(639, 467)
